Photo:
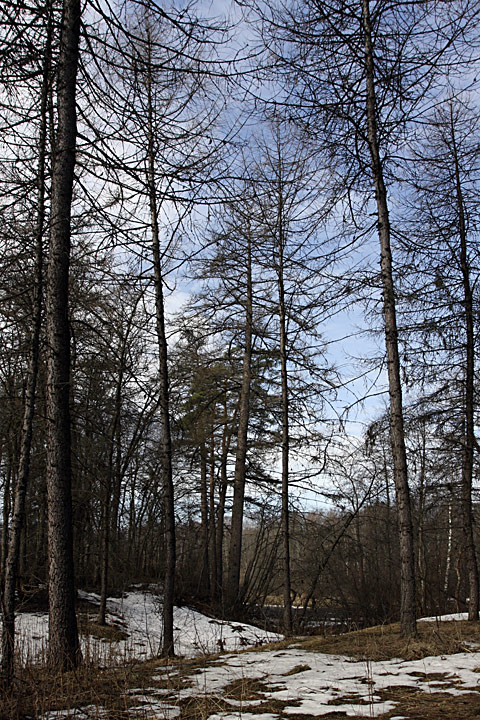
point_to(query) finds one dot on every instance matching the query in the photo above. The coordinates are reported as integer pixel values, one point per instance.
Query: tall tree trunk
(212, 524)
(422, 552)
(458, 584)
(469, 421)
(13, 555)
(205, 569)
(107, 502)
(7, 501)
(407, 560)
(63, 635)
(222, 494)
(285, 517)
(232, 591)
(165, 434)
(448, 559)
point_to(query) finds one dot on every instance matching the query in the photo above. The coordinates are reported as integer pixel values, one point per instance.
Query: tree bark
(205, 569)
(222, 494)
(407, 560)
(165, 446)
(232, 590)
(448, 559)
(212, 534)
(285, 516)
(422, 551)
(7, 501)
(469, 420)
(63, 635)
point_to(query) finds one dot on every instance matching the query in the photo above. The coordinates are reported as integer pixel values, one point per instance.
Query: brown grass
(246, 689)
(384, 642)
(417, 705)
(414, 705)
(37, 690)
(111, 633)
(297, 669)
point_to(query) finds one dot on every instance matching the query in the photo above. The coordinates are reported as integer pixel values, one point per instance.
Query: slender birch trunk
(422, 553)
(212, 524)
(448, 560)
(205, 569)
(222, 494)
(7, 501)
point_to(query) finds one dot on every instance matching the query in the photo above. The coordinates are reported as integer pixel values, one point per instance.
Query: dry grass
(38, 691)
(297, 669)
(111, 633)
(417, 705)
(384, 642)
(414, 705)
(246, 689)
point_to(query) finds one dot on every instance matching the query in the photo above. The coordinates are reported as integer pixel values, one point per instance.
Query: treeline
(275, 172)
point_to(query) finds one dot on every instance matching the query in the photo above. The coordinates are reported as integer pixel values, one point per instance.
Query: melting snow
(140, 615)
(325, 684)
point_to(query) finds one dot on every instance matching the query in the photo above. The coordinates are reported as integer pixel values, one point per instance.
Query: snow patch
(445, 618)
(140, 615)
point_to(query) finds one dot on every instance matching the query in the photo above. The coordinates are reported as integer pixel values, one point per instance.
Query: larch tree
(291, 212)
(13, 556)
(408, 591)
(163, 126)
(355, 75)
(442, 299)
(232, 590)
(63, 647)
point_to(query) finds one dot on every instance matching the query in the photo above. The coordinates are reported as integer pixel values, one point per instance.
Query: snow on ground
(139, 614)
(310, 682)
(306, 683)
(443, 618)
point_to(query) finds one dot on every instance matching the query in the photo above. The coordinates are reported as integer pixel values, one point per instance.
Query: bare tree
(63, 635)
(443, 178)
(408, 598)
(18, 519)
(355, 77)
(233, 578)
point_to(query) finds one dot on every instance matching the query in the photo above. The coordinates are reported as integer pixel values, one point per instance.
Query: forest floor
(362, 674)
